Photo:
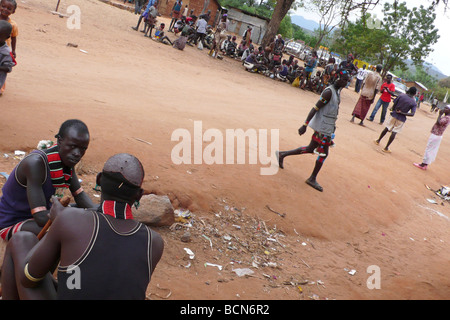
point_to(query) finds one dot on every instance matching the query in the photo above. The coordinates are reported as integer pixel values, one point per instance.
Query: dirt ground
(300, 244)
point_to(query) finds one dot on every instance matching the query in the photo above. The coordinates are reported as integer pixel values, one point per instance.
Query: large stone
(154, 210)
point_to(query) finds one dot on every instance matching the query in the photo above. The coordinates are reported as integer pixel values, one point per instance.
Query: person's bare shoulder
(71, 221)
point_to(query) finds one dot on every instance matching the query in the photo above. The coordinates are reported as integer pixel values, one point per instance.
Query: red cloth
(361, 108)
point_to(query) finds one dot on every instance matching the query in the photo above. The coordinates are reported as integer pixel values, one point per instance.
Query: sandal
(315, 185)
(419, 166)
(280, 159)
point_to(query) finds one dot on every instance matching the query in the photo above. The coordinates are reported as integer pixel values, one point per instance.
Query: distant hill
(305, 23)
(432, 70)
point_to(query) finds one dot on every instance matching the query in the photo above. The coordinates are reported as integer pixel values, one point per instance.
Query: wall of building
(165, 8)
(239, 21)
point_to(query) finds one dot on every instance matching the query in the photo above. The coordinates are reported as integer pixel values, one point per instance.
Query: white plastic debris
(243, 272)
(44, 144)
(213, 265)
(19, 153)
(190, 253)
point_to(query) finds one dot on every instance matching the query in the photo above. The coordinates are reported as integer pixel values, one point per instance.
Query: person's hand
(302, 130)
(57, 206)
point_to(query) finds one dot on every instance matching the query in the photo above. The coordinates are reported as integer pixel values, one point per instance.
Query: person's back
(372, 82)
(251, 58)
(403, 104)
(201, 25)
(284, 70)
(103, 274)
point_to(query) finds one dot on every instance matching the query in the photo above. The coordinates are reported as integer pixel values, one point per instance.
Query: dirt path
(373, 211)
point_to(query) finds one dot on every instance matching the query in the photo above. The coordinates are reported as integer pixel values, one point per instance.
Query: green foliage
(264, 9)
(410, 34)
(439, 92)
(300, 34)
(261, 8)
(286, 29)
(403, 34)
(445, 83)
(438, 88)
(365, 43)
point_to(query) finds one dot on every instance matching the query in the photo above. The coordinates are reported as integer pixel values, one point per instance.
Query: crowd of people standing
(269, 61)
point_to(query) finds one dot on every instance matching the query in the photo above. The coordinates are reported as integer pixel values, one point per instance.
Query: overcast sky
(440, 56)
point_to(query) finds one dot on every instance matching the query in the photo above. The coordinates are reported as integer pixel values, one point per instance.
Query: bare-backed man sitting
(102, 254)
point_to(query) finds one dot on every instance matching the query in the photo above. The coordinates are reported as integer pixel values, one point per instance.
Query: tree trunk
(280, 11)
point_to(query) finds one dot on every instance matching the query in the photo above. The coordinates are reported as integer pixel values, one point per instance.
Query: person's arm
(79, 195)
(13, 45)
(413, 111)
(5, 69)
(32, 173)
(46, 253)
(157, 248)
(7, 65)
(374, 95)
(324, 98)
(441, 113)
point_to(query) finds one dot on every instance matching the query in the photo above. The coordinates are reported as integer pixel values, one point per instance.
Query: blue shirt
(177, 6)
(150, 3)
(311, 65)
(284, 71)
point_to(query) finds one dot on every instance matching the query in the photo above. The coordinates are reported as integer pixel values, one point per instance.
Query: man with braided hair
(322, 119)
(27, 192)
(104, 253)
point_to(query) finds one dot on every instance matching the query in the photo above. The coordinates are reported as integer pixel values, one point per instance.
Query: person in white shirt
(201, 30)
(360, 77)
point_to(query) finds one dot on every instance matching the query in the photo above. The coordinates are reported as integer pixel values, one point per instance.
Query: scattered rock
(186, 237)
(154, 210)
